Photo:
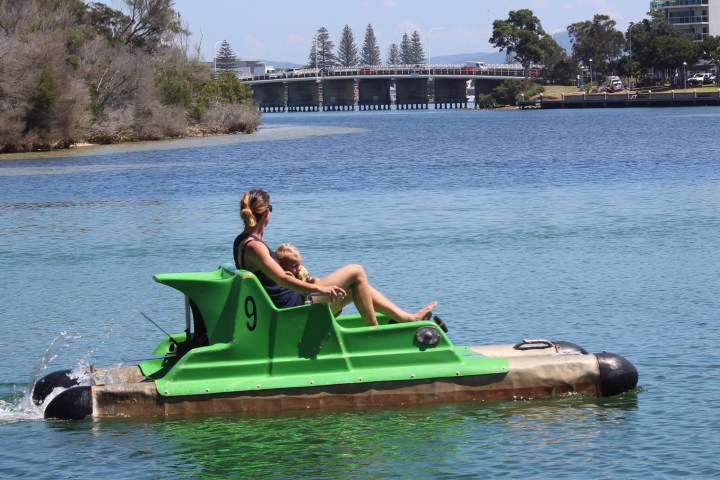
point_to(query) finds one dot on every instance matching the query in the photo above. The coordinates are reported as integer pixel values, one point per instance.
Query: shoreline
(555, 99)
(82, 144)
(263, 133)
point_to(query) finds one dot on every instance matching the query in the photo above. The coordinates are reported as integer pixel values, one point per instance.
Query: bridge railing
(499, 70)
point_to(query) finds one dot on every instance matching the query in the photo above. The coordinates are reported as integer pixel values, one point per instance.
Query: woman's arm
(257, 256)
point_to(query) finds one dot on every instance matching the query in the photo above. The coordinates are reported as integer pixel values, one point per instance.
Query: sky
(283, 30)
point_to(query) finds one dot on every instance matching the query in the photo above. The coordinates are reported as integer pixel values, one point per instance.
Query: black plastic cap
(72, 404)
(427, 336)
(617, 374)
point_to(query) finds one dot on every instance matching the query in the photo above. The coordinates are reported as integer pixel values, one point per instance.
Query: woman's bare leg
(383, 305)
(369, 300)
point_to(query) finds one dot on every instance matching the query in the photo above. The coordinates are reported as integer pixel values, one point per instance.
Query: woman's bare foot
(424, 313)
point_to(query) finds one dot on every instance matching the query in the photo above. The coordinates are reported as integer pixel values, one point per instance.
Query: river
(599, 227)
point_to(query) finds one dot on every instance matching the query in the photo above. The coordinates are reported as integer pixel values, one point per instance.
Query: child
(291, 261)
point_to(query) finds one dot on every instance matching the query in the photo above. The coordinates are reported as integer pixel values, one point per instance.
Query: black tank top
(282, 297)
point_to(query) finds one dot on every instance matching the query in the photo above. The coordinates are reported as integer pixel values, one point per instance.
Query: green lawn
(556, 91)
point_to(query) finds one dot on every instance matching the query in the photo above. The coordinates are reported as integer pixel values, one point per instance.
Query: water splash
(22, 407)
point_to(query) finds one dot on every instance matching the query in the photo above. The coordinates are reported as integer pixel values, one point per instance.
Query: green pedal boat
(244, 355)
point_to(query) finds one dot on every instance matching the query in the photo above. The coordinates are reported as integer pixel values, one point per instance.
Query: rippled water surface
(600, 227)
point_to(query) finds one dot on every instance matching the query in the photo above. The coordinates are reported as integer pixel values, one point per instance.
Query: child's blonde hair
(288, 251)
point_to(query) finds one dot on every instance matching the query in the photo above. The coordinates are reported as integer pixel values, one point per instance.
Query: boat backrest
(212, 294)
(253, 345)
(237, 311)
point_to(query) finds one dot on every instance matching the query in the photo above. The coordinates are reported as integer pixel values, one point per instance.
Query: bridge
(407, 87)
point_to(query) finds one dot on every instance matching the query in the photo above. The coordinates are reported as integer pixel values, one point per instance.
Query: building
(247, 68)
(698, 18)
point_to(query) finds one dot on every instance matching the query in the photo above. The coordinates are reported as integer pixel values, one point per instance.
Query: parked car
(699, 79)
(292, 71)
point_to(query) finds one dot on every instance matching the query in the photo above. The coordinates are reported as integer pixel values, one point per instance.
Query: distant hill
(279, 65)
(487, 57)
(493, 57)
(562, 38)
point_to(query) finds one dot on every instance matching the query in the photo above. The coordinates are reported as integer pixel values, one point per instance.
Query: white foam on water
(24, 408)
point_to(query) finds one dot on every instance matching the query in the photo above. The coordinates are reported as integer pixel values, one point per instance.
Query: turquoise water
(600, 227)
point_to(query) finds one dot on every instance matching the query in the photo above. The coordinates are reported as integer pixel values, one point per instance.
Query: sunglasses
(270, 208)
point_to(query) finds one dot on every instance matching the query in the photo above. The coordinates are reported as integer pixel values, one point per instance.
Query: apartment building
(698, 18)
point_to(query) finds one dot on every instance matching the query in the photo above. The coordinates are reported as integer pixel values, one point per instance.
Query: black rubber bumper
(617, 374)
(45, 385)
(75, 403)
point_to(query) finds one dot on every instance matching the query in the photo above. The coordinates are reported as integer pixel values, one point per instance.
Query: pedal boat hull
(246, 356)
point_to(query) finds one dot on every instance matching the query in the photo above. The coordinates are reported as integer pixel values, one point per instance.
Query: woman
(348, 284)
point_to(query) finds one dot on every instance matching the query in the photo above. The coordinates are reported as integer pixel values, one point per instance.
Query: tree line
(85, 72)
(652, 43)
(324, 55)
(75, 72)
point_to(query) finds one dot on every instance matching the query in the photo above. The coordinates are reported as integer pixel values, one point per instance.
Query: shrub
(486, 101)
(533, 90)
(174, 88)
(42, 100)
(160, 122)
(230, 118)
(510, 91)
(67, 77)
(507, 93)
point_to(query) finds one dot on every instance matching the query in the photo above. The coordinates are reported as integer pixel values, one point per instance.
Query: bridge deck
(377, 87)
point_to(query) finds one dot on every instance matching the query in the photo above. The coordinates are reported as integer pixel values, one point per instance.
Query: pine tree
(416, 47)
(406, 57)
(322, 51)
(225, 59)
(347, 53)
(393, 57)
(312, 57)
(370, 52)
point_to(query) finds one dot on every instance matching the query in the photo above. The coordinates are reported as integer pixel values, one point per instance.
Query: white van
(293, 71)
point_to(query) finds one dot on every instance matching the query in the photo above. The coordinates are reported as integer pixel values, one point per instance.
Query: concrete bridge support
(450, 93)
(374, 94)
(303, 96)
(411, 93)
(270, 97)
(338, 95)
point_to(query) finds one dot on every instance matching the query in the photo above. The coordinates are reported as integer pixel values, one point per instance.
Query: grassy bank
(555, 92)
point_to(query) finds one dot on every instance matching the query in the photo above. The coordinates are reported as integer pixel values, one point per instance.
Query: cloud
(408, 26)
(253, 42)
(295, 38)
